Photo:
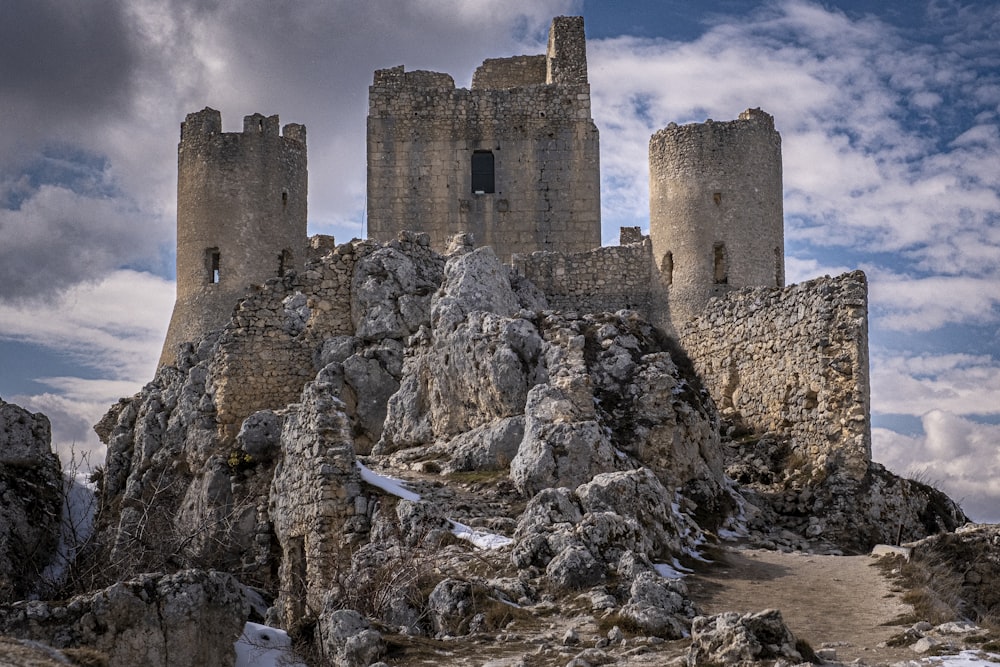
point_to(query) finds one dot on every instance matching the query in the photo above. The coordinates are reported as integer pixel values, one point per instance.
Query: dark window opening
(717, 198)
(214, 260)
(667, 268)
(284, 197)
(721, 276)
(284, 262)
(483, 175)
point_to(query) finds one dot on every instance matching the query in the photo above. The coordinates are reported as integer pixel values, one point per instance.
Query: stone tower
(241, 217)
(715, 209)
(514, 160)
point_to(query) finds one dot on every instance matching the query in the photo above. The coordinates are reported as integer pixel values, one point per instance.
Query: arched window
(483, 175)
(667, 268)
(721, 274)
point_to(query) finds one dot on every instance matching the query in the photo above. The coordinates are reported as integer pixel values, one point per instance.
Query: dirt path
(840, 601)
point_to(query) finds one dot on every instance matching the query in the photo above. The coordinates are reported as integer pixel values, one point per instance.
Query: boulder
(191, 617)
(734, 639)
(348, 640)
(31, 486)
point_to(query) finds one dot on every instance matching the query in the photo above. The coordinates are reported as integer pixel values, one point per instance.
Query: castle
(513, 163)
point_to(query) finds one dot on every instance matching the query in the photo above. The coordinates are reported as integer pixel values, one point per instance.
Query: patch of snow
(680, 568)
(479, 538)
(387, 484)
(968, 658)
(263, 646)
(667, 571)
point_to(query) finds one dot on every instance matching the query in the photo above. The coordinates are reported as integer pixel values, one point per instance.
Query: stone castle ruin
(593, 413)
(513, 164)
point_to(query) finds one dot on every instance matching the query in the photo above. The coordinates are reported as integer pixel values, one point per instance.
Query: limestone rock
(733, 639)
(451, 605)
(474, 281)
(260, 435)
(488, 447)
(391, 293)
(659, 606)
(191, 617)
(348, 640)
(31, 486)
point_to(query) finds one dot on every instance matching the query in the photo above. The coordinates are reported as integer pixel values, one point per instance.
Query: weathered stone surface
(191, 617)
(348, 640)
(659, 606)
(312, 499)
(488, 447)
(734, 639)
(31, 487)
(260, 435)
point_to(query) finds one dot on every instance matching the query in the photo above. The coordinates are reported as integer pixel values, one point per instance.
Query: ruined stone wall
(605, 279)
(265, 354)
(268, 351)
(241, 217)
(715, 209)
(792, 361)
(531, 141)
(500, 73)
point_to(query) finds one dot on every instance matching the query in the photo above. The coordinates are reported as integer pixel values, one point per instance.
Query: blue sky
(889, 114)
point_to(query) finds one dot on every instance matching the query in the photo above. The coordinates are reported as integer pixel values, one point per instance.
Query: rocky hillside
(557, 472)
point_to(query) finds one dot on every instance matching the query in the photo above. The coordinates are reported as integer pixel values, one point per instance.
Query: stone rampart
(793, 361)
(500, 73)
(606, 279)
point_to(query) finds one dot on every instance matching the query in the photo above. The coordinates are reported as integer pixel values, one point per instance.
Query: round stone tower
(241, 217)
(715, 212)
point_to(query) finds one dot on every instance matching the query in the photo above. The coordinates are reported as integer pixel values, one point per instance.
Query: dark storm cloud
(61, 59)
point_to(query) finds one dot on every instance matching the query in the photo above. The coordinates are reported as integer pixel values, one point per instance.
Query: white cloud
(116, 325)
(922, 303)
(959, 456)
(915, 385)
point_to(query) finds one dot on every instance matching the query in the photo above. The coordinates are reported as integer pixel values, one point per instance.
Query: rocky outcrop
(31, 487)
(188, 618)
(741, 640)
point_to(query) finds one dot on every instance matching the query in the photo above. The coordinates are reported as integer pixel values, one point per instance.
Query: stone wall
(270, 347)
(532, 137)
(793, 361)
(606, 279)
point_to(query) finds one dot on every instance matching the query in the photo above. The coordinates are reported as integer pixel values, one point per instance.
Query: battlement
(207, 123)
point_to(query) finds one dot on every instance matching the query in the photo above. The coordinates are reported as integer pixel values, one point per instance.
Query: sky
(889, 113)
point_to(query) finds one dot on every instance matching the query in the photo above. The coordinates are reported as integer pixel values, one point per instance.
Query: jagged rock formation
(187, 618)
(31, 489)
(582, 444)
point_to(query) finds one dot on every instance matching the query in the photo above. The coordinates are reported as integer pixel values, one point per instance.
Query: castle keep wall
(792, 361)
(241, 217)
(715, 209)
(606, 279)
(514, 160)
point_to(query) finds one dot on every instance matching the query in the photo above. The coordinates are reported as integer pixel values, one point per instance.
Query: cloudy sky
(889, 113)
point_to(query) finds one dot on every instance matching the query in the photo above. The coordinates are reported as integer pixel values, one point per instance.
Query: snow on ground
(480, 539)
(387, 484)
(263, 646)
(963, 659)
(667, 571)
